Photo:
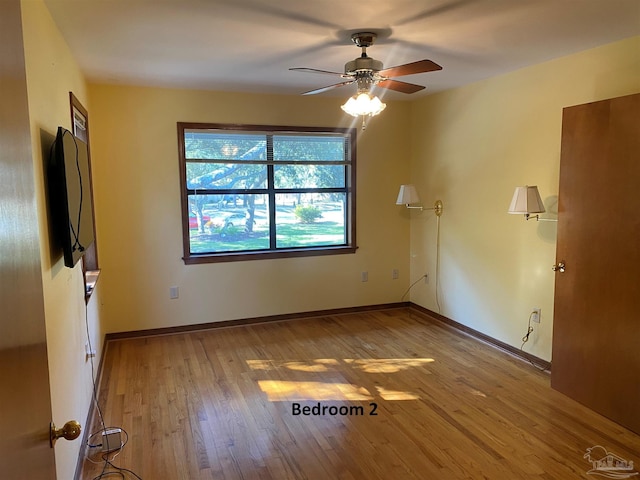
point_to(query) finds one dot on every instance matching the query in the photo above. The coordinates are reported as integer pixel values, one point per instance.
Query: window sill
(90, 280)
(195, 259)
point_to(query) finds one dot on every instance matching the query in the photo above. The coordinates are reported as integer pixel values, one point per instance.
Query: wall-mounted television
(70, 202)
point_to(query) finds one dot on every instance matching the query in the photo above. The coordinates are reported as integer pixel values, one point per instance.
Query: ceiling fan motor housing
(362, 63)
(367, 72)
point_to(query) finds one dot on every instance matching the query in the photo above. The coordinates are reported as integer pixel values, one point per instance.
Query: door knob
(70, 431)
(559, 267)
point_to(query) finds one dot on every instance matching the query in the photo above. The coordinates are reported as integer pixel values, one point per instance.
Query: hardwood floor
(404, 398)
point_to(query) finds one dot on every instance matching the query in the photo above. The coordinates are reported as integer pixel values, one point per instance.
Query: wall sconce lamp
(526, 200)
(408, 196)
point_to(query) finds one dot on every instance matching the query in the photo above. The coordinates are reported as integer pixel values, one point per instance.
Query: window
(266, 192)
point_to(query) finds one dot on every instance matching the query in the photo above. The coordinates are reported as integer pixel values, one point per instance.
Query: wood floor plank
(220, 404)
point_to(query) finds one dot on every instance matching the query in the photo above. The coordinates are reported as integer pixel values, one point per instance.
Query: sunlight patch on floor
(396, 395)
(281, 391)
(478, 393)
(287, 391)
(387, 365)
(316, 365)
(368, 365)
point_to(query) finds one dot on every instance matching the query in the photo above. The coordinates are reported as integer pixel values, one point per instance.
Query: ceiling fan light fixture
(364, 104)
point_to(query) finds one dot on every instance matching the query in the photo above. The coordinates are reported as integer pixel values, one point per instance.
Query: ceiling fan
(366, 71)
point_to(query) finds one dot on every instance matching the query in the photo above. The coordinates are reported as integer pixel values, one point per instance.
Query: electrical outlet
(174, 292)
(395, 274)
(88, 352)
(535, 315)
(364, 276)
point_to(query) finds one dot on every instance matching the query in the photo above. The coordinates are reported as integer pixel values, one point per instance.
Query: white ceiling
(249, 45)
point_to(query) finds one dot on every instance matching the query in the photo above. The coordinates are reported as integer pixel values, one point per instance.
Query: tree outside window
(262, 191)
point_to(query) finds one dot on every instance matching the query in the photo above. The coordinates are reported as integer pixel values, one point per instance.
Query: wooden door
(596, 327)
(25, 403)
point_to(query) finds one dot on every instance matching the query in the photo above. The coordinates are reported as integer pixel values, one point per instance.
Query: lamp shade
(407, 195)
(526, 200)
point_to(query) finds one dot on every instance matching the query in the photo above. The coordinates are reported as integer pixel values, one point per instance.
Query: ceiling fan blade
(281, 13)
(432, 12)
(398, 86)
(421, 66)
(330, 87)
(315, 70)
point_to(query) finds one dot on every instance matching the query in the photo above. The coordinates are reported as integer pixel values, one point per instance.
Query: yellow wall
(51, 74)
(137, 195)
(471, 147)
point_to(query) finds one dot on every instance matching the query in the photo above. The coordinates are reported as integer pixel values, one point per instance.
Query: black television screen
(70, 195)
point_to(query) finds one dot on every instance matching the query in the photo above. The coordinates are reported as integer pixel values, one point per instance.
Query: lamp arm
(437, 207)
(528, 216)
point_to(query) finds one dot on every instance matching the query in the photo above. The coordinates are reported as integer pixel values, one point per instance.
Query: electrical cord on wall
(76, 231)
(108, 462)
(525, 339)
(438, 261)
(437, 269)
(411, 286)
